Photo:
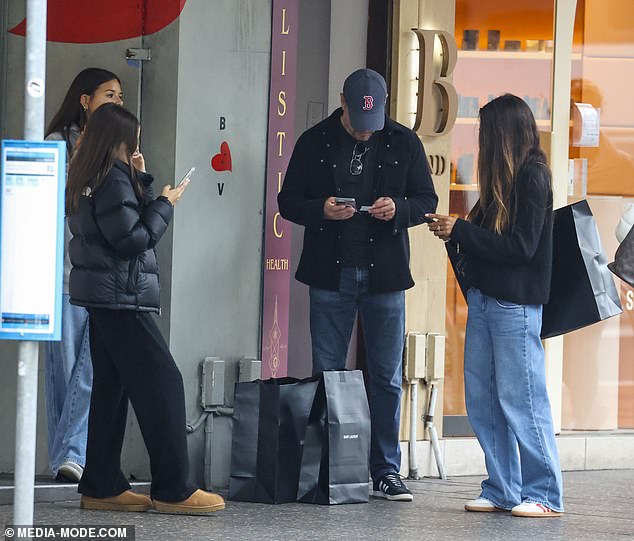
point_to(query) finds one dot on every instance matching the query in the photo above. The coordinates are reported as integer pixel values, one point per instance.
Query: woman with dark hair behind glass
(68, 366)
(116, 223)
(504, 254)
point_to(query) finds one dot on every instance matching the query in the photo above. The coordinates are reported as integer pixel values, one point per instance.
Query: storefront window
(507, 47)
(598, 383)
(503, 47)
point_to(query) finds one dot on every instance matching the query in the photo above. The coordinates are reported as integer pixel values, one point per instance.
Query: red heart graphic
(222, 161)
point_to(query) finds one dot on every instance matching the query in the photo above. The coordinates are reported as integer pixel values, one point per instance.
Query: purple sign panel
(277, 236)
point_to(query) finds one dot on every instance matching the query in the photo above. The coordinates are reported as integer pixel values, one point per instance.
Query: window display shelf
(463, 187)
(461, 121)
(515, 55)
(519, 55)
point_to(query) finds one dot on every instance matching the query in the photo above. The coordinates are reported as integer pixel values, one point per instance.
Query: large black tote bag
(582, 288)
(269, 423)
(336, 455)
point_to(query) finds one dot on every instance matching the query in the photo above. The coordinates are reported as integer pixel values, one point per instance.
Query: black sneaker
(391, 487)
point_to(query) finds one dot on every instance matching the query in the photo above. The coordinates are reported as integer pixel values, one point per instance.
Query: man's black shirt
(355, 232)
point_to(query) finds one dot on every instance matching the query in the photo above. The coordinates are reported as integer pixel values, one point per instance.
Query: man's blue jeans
(507, 402)
(68, 387)
(332, 316)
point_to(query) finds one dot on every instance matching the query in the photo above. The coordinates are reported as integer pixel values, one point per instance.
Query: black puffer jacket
(112, 249)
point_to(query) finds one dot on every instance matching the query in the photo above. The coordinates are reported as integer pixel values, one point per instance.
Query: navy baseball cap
(365, 92)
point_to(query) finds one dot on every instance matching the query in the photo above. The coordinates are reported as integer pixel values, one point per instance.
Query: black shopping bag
(336, 455)
(582, 289)
(269, 423)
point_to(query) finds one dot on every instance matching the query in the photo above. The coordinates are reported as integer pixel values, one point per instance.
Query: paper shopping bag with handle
(269, 423)
(336, 454)
(582, 288)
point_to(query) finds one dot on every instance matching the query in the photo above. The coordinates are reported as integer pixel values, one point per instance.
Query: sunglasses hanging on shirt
(356, 165)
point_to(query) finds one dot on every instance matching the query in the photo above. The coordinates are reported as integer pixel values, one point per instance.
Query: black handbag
(582, 289)
(623, 264)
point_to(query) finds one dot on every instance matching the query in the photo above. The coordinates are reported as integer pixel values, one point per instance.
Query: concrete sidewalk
(598, 507)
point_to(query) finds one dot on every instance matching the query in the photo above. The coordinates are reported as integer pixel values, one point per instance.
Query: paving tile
(598, 507)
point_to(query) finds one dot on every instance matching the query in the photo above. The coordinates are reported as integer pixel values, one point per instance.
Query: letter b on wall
(437, 104)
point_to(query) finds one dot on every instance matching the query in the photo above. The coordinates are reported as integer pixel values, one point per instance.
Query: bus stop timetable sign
(32, 185)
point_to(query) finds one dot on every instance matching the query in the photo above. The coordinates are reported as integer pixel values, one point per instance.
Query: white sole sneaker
(70, 471)
(396, 498)
(482, 505)
(534, 510)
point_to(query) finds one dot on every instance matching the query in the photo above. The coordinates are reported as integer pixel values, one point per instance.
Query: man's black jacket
(112, 249)
(401, 172)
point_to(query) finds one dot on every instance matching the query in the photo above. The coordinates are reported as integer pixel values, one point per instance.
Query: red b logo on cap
(368, 103)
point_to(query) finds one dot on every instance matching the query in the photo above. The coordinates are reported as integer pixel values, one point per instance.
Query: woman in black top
(502, 254)
(116, 223)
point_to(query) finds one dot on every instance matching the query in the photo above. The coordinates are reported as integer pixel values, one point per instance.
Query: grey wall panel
(348, 43)
(158, 138)
(8, 396)
(4, 14)
(223, 71)
(13, 97)
(312, 92)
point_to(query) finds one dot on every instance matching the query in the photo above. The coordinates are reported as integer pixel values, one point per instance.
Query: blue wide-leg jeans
(332, 316)
(68, 387)
(507, 402)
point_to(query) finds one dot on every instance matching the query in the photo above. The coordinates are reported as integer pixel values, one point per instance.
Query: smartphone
(187, 175)
(346, 201)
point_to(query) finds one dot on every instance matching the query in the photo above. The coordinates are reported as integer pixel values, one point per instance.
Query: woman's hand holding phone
(441, 225)
(174, 194)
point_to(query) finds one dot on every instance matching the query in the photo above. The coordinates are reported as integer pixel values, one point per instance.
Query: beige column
(559, 141)
(425, 303)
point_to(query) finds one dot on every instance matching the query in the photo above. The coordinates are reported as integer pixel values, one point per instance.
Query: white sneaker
(70, 471)
(534, 510)
(482, 505)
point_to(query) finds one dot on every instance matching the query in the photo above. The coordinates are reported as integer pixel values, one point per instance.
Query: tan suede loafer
(126, 501)
(199, 503)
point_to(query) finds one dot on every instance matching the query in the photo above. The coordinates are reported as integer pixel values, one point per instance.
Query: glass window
(598, 383)
(503, 47)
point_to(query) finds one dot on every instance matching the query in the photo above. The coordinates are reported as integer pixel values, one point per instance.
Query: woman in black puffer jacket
(116, 223)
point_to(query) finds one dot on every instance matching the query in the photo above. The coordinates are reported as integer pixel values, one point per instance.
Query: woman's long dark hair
(71, 111)
(109, 127)
(508, 140)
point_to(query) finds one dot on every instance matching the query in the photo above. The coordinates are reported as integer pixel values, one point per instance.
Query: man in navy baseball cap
(357, 181)
(363, 103)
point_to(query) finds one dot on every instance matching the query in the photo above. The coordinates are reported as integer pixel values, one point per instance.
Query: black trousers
(132, 361)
